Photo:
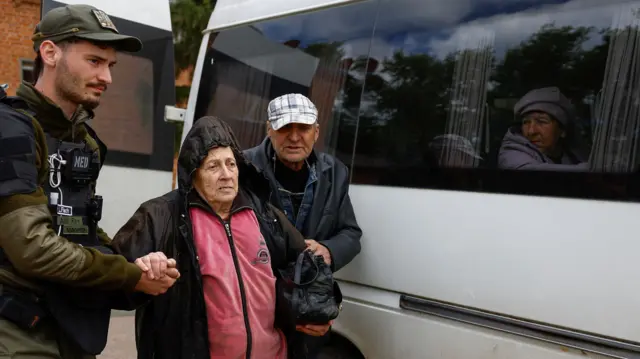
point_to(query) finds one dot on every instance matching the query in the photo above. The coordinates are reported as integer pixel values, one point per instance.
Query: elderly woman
(545, 137)
(228, 243)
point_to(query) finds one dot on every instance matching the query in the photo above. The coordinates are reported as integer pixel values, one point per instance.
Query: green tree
(410, 93)
(554, 56)
(189, 18)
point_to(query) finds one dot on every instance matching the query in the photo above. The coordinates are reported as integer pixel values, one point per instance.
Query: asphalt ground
(121, 344)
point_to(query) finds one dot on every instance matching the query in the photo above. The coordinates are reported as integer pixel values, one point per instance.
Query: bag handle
(298, 269)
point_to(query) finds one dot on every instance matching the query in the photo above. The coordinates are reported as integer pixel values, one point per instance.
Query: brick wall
(19, 18)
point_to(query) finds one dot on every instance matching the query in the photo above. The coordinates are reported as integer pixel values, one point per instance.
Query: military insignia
(75, 230)
(104, 20)
(70, 221)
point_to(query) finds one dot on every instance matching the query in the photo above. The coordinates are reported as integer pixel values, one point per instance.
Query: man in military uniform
(58, 276)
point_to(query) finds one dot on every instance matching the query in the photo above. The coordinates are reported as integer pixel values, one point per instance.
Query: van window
(311, 54)
(525, 97)
(512, 97)
(130, 118)
(128, 126)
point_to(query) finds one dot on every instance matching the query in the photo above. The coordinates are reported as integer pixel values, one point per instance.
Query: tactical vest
(73, 168)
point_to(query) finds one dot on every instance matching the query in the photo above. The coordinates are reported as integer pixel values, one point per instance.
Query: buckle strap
(21, 308)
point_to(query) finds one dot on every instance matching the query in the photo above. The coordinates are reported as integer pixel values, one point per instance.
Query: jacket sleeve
(36, 251)
(345, 244)
(144, 231)
(26, 238)
(103, 236)
(510, 157)
(140, 236)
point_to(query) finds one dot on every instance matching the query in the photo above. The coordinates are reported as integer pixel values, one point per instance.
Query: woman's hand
(316, 330)
(156, 265)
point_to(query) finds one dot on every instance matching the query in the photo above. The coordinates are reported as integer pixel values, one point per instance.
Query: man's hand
(155, 265)
(156, 286)
(319, 250)
(314, 329)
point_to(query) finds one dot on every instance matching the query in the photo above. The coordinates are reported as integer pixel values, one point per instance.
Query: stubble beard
(70, 87)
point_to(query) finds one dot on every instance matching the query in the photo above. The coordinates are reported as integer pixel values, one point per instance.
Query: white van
(130, 118)
(460, 258)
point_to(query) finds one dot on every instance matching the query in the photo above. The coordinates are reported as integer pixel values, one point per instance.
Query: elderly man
(545, 138)
(229, 242)
(310, 187)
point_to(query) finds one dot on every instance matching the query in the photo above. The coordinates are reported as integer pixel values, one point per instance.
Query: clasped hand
(159, 273)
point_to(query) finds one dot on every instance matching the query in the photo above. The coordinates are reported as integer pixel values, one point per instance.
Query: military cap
(82, 22)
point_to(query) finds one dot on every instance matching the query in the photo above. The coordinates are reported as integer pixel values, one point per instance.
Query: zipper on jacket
(243, 296)
(195, 263)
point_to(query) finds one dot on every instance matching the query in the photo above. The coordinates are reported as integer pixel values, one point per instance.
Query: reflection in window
(443, 94)
(449, 77)
(124, 118)
(467, 114)
(247, 67)
(616, 111)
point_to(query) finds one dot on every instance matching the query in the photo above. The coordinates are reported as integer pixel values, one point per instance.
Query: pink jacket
(239, 286)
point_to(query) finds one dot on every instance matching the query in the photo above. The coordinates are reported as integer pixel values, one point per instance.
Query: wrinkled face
(83, 72)
(542, 130)
(294, 142)
(217, 177)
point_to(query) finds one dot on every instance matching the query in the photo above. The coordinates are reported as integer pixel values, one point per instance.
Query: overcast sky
(439, 27)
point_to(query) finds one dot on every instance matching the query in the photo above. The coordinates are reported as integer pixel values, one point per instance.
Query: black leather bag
(309, 290)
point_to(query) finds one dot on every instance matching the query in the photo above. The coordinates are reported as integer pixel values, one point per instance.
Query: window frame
(25, 63)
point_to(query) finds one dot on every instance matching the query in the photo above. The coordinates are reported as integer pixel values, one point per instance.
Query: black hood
(207, 133)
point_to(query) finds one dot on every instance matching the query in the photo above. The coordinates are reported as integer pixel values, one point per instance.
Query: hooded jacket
(332, 221)
(174, 325)
(517, 152)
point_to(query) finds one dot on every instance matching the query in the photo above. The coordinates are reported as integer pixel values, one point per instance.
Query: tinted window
(444, 103)
(128, 127)
(26, 70)
(312, 54)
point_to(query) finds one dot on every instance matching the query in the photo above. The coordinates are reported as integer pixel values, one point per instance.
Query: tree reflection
(411, 98)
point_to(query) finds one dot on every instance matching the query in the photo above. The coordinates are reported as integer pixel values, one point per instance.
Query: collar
(52, 118)
(241, 201)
